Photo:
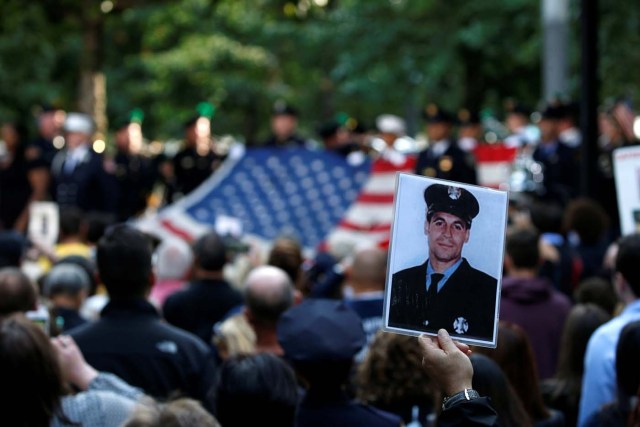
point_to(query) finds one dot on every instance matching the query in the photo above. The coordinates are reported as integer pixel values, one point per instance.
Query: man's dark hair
(210, 252)
(71, 220)
(627, 354)
(263, 383)
(17, 294)
(628, 260)
(124, 262)
(522, 248)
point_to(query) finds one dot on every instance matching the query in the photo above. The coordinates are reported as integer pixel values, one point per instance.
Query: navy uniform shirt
(192, 169)
(131, 341)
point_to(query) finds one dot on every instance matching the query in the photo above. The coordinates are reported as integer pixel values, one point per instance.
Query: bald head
(368, 270)
(17, 294)
(268, 293)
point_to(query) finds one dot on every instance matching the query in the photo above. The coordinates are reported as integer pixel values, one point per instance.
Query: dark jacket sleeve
(476, 412)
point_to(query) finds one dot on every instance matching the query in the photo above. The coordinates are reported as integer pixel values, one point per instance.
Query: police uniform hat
(434, 114)
(281, 108)
(453, 200)
(328, 129)
(468, 118)
(79, 123)
(66, 277)
(320, 330)
(553, 111)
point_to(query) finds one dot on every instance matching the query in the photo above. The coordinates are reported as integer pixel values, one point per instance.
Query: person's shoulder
(184, 339)
(86, 331)
(479, 277)
(377, 417)
(409, 272)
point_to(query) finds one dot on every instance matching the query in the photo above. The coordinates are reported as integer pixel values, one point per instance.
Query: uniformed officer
(48, 129)
(522, 133)
(336, 139)
(133, 172)
(469, 130)
(445, 291)
(320, 338)
(197, 160)
(443, 158)
(284, 124)
(78, 174)
(559, 161)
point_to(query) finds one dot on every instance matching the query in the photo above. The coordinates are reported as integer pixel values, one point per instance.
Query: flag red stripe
(176, 230)
(370, 228)
(381, 166)
(375, 198)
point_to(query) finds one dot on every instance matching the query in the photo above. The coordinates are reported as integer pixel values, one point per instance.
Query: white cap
(78, 122)
(388, 123)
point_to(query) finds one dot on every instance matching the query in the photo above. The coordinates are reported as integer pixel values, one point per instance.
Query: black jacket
(454, 164)
(131, 341)
(468, 298)
(200, 306)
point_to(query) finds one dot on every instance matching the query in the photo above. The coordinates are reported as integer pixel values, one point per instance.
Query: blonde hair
(234, 336)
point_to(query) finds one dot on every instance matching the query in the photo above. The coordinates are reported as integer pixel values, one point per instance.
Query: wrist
(457, 388)
(465, 395)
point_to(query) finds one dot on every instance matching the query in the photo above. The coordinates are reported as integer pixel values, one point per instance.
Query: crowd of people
(114, 327)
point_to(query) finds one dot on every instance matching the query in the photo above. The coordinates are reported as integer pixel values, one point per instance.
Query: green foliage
(362, 57)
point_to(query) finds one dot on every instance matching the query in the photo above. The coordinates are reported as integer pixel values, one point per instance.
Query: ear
(467, 234)
(508, 263)
(426, 227)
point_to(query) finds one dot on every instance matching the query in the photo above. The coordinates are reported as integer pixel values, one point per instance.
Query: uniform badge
(454, 193)
(429, 172)
(460, 325)
(445, 164)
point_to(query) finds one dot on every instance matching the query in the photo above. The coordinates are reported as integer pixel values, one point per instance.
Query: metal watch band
(466, 394)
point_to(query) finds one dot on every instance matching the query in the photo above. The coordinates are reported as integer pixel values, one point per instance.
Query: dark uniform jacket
(454, 164)
(336, 410)
(200, 306)
(88, 187)
(135, 182)
(465, 306)
(131, 341)
(560, 164)
(192, 169)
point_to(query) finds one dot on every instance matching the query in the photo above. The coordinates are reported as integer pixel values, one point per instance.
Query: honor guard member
(284, 124)
(48, 141)
(132, 171)
(445, 291)
(469, 130)
(335, 138)
(521, 132)
(559, 161)
(196, 161)
(443, 158)
(78, 174)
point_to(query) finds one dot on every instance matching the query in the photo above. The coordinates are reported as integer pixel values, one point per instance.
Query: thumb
(446, 343)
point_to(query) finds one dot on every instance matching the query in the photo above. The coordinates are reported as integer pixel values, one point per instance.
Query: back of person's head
(71, 222)
(628, 260)
(515, 356)
(17, 293)
(12, 247)
(546, 217)
(597, 291)
(174, 259)
(182, 412)
(210, 252)
(522, 248)
(368, 270)
(268, 293)
(587, 219)
(97, 224)
(392, 373)
(286, 254)
(254, 389)
(31, 378)
(582, 321)
(66, 279)
(627, 356)
(124, 262)
(490, 381)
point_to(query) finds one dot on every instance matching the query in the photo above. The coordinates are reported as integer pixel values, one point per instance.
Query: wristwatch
(466, 394)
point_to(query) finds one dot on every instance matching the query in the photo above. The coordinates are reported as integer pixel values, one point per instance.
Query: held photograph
(445, 259)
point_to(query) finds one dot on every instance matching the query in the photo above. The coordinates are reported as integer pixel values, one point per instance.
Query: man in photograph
(445, 291)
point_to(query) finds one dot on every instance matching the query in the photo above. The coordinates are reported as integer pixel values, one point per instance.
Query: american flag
(314, 196)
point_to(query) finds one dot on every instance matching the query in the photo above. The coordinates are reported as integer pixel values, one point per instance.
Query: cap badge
(455, 193)
(460, 325)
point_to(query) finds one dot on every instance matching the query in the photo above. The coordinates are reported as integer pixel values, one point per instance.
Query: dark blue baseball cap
(320, 330)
